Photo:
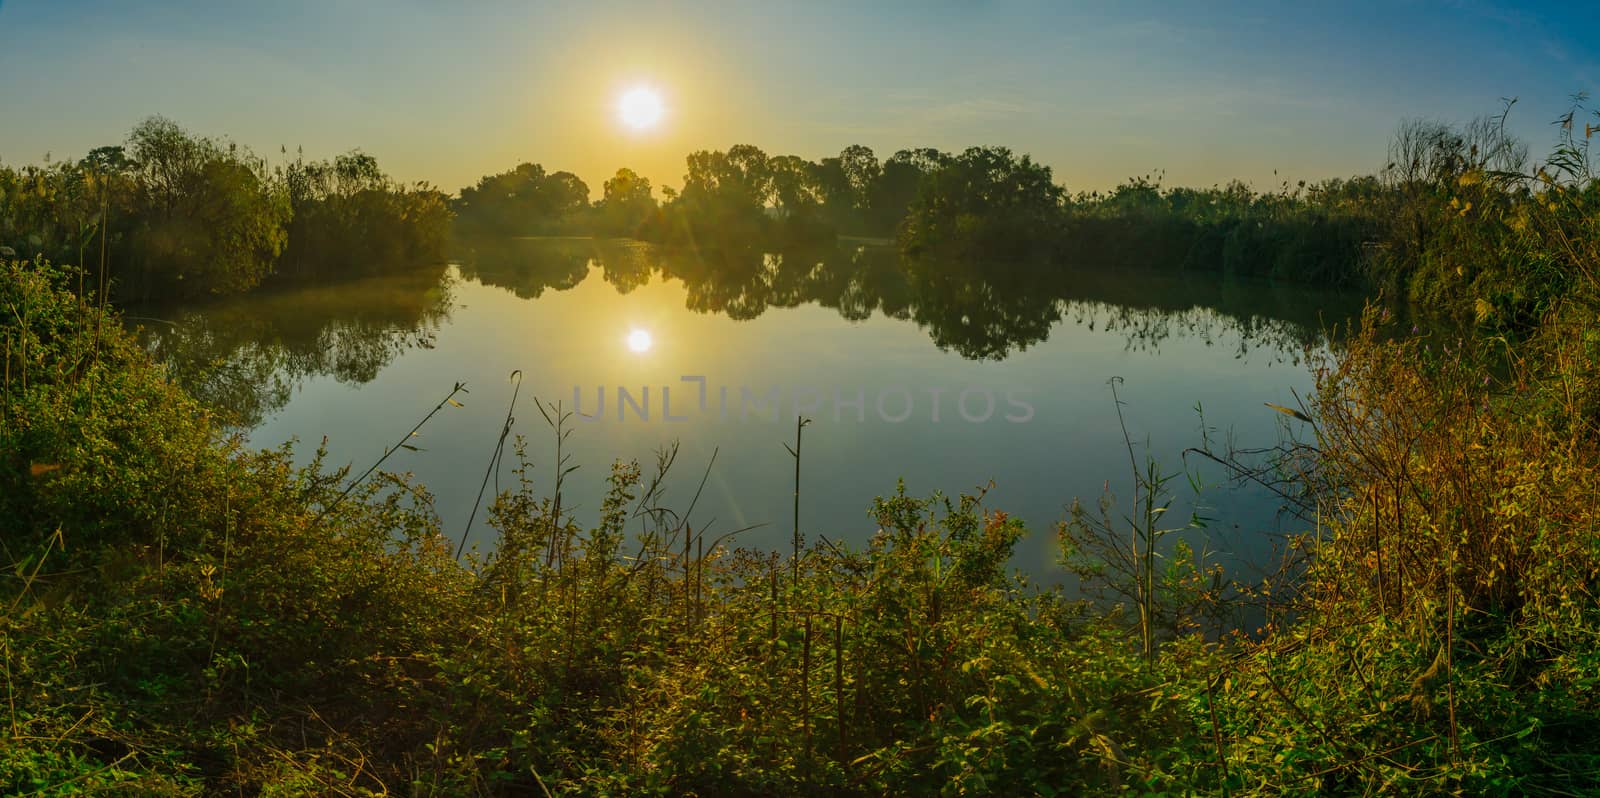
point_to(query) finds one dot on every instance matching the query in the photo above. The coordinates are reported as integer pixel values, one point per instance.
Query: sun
(640, 108)
(640, 340)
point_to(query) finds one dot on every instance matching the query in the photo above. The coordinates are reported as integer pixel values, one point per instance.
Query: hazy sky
(448, 91)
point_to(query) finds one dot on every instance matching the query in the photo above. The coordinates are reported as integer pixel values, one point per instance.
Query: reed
(403, 443)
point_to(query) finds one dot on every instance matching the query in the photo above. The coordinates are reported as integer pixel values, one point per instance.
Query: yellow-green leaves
(1288, 411)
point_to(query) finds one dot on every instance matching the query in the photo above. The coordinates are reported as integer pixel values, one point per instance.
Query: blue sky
(447, 91)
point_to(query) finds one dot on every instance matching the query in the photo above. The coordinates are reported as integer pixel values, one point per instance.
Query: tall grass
(188, 617)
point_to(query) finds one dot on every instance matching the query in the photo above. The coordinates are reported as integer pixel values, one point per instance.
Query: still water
(948, 376)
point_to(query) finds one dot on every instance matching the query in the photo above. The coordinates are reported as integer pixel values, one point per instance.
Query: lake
(949, 376)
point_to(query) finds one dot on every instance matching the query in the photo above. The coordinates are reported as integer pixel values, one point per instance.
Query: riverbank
(189, 616)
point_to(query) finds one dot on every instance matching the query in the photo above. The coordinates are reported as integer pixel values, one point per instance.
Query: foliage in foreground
(185, 617)
(188, 617)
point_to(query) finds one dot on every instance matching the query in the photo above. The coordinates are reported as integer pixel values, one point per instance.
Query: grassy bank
(185, 616)
(189, 617)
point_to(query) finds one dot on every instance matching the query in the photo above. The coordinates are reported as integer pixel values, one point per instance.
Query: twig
(460, 387)
(800, 423)
(494, 461)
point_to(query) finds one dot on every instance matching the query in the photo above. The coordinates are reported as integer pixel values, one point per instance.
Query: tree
(795, 192)
(205, 220)
(985, 202)
(112, 160)
(739, 177)
(349, 218)
(724, 197)
(626, 205)
(895, 186)
(861, 170)
(563, 196)
(844, 185)
(523, 201)
(165, 158)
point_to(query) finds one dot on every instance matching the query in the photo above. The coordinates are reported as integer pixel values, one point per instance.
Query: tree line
(1389, 230)
(741, 197)
(172, 215)
(188, 216)
(189, 616)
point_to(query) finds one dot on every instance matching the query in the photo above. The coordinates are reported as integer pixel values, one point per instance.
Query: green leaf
(1288, 411)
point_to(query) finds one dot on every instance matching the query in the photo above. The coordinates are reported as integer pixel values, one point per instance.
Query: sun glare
(640, 107)
(640, 340)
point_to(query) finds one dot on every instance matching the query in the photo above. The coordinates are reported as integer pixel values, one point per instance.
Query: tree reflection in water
(246, 355)
(981, 311)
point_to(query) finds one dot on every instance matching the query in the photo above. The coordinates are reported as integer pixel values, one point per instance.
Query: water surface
(948, 376)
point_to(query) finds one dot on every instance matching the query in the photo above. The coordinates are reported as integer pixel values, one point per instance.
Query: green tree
(626, 205)
(724, 197)
(844, 185)
(986, 202)
(349, 219)
(524, 201)
(894, 187)
(205, 218)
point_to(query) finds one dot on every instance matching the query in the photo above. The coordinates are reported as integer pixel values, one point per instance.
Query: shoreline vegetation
(186, 616)
(187, 216)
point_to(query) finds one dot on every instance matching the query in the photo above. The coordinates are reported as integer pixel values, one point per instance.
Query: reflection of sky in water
(577, 337)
